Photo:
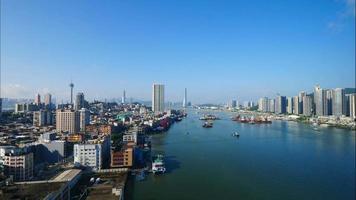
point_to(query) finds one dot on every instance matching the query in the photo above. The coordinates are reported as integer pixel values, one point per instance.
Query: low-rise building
(94, 154)
(122, 158)
(18, 163)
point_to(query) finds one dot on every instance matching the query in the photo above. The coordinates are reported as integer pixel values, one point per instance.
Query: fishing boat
(236, 134)
(158, 165)
(208, 125)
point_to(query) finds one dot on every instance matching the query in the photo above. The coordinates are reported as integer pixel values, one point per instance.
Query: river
(282, 160)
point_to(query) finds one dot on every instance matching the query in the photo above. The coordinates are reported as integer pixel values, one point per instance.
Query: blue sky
(218, 49)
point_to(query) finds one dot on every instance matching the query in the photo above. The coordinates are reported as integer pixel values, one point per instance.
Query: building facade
(84, 119)
(290, 105)
(94, 154)
(352, 105)
(19, 164)
(320, 101)
(67, 121)
(296, 106)
(280, 105)
(122, 158)
(338, 102)
(79, 101)
(158, 98)
(42, 118)
(308, 105)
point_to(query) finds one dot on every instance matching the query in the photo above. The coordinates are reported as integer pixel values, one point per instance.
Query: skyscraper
(272, 105)
(263, 104)
(300, 104)
(307, 105)
(123, 98)
(48, 100)
(296, 105)
(280, 105)
(290, 105)
(319, 101)
(329, 102)
(185, 98)
(67, 121)
(84, 118)
(158, 98)
(38, 99)
(338, 102)
(352, 103)
(233, 104)
(79, 101)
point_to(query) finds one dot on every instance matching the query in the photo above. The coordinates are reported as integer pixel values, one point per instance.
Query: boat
(208, 125)
(236, 134)
(316, 129)
(209, 117)
(158, 165)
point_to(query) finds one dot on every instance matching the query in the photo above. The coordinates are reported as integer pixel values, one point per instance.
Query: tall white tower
(185, 98)
(123, 98)
(71, 85)
(158, 98)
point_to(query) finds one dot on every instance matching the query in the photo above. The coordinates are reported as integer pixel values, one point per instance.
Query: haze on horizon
(219, 50)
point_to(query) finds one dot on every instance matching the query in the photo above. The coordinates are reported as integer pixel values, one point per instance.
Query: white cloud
(15, 91)
(347, 12)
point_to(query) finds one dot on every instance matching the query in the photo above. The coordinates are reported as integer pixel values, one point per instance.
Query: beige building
(19, 165)
(67, 121)
(123, 158)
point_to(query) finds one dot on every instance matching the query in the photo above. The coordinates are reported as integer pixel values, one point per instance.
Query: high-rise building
(300, 104)
(320, 101)
(123, 98)
(42, 118)
(48, 101)
(352, 105)
(338, 102)
(290, 105)
(307, 105)
(79, 101)
(38, 99)
(158, 98)
(84, 118)
(233, 104)
(296, 105)
(280, 105)
(185, 101)
(329, 102)
(272, 105)
(263, 104)
(67, 121)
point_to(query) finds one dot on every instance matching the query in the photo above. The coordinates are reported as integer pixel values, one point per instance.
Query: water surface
(282, 160)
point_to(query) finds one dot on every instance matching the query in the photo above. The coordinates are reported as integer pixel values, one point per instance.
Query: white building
(132, 137)
(84, 118)
(94, 154)
(352, 105)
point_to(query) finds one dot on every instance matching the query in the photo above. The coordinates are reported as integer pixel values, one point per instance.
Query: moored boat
(208, 125)
(158, 166)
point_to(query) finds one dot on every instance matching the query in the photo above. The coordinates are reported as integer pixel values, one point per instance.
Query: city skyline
(206, 46)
